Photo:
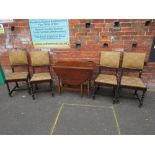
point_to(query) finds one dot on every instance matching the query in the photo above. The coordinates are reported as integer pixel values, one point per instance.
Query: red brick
(92, 39)
(124, 20)
(127, 29)
(110, 20)
(99, 25)
(98, 20)
(130, 33)
(126, 24)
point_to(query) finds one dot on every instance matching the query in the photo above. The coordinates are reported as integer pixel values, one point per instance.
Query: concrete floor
(70, 114)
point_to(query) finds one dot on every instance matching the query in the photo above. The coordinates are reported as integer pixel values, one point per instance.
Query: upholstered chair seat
(41, 77)
(133, 62)
(17, 76)
(106, 79)
(18, 59)
(132, 82)
(40, 59)
(108, 60)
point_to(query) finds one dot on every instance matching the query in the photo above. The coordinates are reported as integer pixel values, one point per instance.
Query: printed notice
(52, 33)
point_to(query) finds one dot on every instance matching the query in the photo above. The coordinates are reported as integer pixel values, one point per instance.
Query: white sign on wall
(49, 33)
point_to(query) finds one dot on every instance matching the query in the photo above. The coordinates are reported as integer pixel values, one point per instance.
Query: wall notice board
(48, 33)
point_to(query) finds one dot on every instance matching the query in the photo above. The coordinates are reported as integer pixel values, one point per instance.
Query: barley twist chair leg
(81, 90)
(94, 91)
(9, 91)
(88, 88)
(114, 91)
(28, 87)
(51, 85)
(142, 98)
(36, 87)
(116, 96)
(98, 88)
(59, 87)
(17, 85)
(32, 91)
(135, 92)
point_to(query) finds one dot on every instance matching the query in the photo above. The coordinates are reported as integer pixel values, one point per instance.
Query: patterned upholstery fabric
(133, 60)
(132, 81)
(18, 58)
(41, 77)
(39, 58)
(110, 59)
(106, 79)
(17, 76)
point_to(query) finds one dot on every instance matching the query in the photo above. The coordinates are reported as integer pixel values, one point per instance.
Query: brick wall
(87, 38)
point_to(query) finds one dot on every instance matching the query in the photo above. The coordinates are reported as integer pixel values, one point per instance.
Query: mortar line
(86, 105)
(56, 120)
(116, 120)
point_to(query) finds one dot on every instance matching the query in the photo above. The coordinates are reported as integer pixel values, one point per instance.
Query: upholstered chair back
(110, 59)
(39, 58)
(133, 60)
(18, 58)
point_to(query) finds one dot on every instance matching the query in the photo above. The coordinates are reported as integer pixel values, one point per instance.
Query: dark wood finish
(136, 89)
(16, 87)
(35, 83)
(115, 87)
(32, 83)
(72, 75)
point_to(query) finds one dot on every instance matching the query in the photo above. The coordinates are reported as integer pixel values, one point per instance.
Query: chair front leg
(116, 95)
(135, 92)
(94, 90)
(142, 98)
(88, 88)
(113, 92)
(98, 88)
(51, 86)
(28, 87)
(32, 92)
(81, 89)
(17, 85)
(36, 87)
(9, 91)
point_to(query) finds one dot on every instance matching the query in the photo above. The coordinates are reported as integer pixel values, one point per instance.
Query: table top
(74, 72)
(75, 64)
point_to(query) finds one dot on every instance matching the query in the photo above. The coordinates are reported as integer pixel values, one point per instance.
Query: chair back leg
(81, 90)
(17, 85)
(142, 98)
(9, 91)
(51, 86)
(116, 94)
(94, 90)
